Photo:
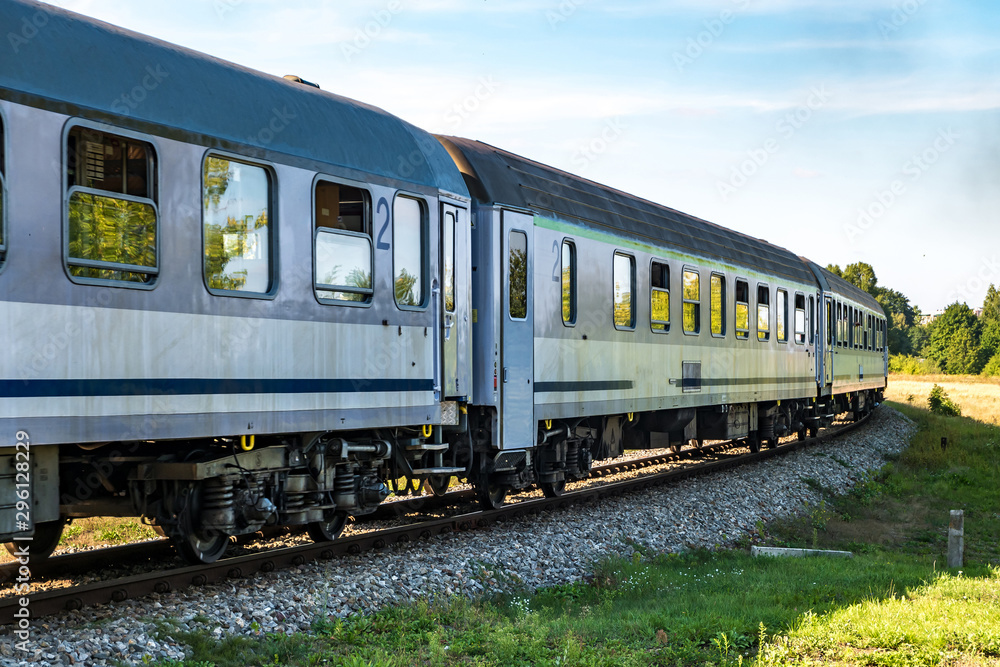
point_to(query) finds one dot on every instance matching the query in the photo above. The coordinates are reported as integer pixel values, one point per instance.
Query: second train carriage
(605, 322)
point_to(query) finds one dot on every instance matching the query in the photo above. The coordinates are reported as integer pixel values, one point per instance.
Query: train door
(449, 302)
(517, 415)
(831, 343)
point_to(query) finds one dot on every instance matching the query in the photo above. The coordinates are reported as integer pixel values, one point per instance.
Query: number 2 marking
(555, 267)
(380, 244)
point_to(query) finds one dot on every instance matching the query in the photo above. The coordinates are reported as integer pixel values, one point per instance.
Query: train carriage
(207, 269)
(607, 322)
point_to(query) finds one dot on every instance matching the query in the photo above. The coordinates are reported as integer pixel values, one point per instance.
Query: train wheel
(437, 486)
(491, 495)
(753, 442)
(200, 547)
(44, 542)
(327, 531)
(770, 443)
(553, 489)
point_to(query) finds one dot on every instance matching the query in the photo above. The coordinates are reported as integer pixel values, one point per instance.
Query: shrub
(907, 365)
(941, 404)
(992, 367)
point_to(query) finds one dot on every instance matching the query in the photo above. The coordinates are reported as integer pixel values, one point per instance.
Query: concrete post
(956, 538)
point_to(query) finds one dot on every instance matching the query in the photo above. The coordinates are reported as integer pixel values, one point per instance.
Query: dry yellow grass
(979, 397)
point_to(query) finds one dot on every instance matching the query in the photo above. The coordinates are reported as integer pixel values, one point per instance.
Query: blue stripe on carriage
(594, 385)
(198, 386)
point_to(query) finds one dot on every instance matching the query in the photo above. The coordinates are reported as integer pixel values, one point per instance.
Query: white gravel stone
(710, 511)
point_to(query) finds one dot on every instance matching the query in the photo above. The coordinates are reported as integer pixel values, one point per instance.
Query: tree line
(956, 342)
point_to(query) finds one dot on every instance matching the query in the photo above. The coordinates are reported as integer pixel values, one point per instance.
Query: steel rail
(49, 602)
(160, 550)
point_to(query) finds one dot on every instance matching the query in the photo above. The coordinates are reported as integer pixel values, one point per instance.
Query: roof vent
(299, 79)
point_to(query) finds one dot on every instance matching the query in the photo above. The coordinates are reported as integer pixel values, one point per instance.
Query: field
(979, 397)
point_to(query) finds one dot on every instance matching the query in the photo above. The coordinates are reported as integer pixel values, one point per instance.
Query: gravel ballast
(711, 511)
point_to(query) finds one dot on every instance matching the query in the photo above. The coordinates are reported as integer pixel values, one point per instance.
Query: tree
(954, 341)
(835, 270)
(862, 276)
(991, 305)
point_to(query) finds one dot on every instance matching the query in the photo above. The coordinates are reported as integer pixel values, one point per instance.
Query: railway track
(49, 602)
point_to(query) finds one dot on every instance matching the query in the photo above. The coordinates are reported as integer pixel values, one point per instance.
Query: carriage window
(742, 309)
(238, 233)
(343, 261)
(781, 325)
(840, 325)
(3, 192)
(811, 323)
(449, 261)
(829, 324)
(517, 275)
(343, 266)
(800, 319)
(111, 233)
(659, 297)
(718, 305)
(624, 275)
(342, 207)
(568, 283)
(850, 327)
(763, 313)
(408, 251)
(692, 302)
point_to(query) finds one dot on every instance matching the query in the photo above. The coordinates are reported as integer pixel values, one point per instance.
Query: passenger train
(233, 300)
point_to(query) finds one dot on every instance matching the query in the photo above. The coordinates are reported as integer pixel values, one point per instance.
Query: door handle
(505, 375)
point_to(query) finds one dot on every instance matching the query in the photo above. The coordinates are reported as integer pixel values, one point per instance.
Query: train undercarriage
(201, 494)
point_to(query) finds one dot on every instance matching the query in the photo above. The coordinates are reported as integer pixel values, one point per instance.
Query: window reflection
(763, 313)
(718, 313)
(237, 226)
(343, 266)
(408, 251)
(112, 225)
(624, 275)
(568, 282)
(742, 309)
(692, 302)
(517, 274)
(449, 262)
(659, 296)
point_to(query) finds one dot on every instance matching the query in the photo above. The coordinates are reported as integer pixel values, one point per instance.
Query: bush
(992, 367)
(941, 404)
(907, 365)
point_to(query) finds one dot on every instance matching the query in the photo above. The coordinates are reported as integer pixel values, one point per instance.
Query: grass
(100, 531)
(892, 604)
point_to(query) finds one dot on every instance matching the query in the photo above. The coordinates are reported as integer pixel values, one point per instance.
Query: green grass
(893, 604)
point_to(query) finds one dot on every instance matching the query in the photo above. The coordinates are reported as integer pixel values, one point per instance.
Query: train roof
(840, 286)
(79, 66)
(495, 176)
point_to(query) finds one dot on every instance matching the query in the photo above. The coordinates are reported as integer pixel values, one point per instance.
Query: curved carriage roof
(82, 66)
(495, 176)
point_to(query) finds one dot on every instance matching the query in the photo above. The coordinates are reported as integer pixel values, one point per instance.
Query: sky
(843, 130)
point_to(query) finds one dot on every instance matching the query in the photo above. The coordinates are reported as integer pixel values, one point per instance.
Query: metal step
(438, 471)
(427, 447)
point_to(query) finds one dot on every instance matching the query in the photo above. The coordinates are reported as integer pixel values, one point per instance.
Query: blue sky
(844, 130)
